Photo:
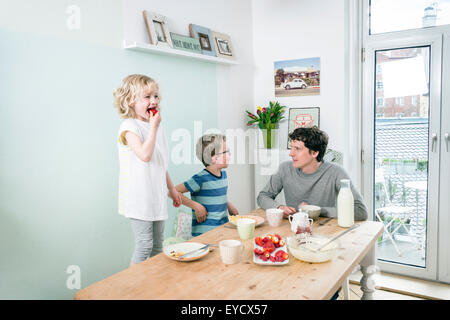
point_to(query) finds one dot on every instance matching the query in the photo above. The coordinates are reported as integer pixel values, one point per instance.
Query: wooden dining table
(162, 278)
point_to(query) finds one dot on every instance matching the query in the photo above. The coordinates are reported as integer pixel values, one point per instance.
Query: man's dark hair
(313, 138)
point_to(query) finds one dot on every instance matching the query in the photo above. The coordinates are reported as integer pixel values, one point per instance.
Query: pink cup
(274, 217)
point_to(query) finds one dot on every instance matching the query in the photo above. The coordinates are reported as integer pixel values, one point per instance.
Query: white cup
(230, 251)
(274, 217)
(246, 227)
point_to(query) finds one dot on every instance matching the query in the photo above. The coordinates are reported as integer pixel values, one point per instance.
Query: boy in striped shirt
(208, 188)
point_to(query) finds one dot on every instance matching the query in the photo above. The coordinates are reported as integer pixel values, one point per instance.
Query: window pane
(389, 15)
(401, 153)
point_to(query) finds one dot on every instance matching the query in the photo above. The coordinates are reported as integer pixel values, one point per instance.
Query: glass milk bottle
(345, 209)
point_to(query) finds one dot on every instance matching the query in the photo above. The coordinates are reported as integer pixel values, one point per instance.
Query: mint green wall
(58, 159)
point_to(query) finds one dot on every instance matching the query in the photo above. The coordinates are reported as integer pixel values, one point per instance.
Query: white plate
(257, 260)
(185, 247)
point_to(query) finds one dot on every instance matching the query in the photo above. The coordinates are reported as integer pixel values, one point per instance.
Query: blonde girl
(143, 155)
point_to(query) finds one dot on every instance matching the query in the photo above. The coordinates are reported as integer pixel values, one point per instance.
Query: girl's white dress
(142, 185)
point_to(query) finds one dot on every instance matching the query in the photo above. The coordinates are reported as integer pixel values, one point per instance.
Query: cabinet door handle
(446, 136)
(433, 141)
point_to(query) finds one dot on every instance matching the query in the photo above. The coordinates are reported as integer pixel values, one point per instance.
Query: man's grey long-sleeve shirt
(319, 188)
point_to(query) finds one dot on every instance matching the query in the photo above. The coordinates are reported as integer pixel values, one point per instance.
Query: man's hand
(200, 213)
(287, 211)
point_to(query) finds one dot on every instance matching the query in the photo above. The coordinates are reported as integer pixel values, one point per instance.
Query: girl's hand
(155, 120)
(176, 197)
(200, 213)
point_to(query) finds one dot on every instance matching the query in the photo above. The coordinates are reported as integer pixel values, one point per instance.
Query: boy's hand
(233, 211)
(176, 197)
(200, 213)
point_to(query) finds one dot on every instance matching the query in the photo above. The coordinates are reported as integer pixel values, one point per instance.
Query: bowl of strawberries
(270, 249)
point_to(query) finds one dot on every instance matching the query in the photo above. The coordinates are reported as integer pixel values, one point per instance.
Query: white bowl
(313, 211)
(306, 252)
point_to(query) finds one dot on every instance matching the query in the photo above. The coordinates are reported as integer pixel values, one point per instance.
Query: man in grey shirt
(307, 179)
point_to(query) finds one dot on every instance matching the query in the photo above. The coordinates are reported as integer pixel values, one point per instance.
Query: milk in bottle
(345, 205)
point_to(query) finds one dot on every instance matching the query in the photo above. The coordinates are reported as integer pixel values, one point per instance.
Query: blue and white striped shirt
(211, 192)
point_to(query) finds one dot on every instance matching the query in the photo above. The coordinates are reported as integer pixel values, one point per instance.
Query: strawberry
(152, 110)
(272, 259)
(269, 245)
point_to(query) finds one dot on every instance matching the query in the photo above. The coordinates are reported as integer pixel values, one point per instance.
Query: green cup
(246, 227)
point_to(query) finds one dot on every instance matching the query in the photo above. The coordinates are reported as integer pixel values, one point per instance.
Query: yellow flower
(259, 108)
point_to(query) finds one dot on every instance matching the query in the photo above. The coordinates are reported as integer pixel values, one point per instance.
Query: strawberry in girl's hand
(152, 110)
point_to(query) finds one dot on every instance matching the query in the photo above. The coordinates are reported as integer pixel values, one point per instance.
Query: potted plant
(267, 120)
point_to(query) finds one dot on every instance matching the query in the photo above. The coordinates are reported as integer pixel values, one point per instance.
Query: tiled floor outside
(410, 253)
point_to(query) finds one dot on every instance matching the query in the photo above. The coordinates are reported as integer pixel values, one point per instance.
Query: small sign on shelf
(185, 43)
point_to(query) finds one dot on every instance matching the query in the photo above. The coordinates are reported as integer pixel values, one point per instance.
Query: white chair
(398, 214)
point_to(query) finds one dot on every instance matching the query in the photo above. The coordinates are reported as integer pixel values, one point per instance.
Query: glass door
(444, 184)
(406, 133)
(403, 108)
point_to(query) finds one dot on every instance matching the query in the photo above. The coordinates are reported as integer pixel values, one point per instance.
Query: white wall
(296, 29)
(264, 31)
(234, 83)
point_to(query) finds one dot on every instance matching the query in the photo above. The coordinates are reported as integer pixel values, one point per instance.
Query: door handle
(446, 137)
(433, 141)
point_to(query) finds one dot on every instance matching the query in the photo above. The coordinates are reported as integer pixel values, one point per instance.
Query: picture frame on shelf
(185, 43)
(204, 36)
(223, 45)
(157, 29)
(302, 118)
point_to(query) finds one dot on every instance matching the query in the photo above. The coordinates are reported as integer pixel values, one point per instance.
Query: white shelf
(148, 48)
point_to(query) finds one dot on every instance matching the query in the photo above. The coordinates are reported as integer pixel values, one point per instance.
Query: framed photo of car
(157, 29)
(205, 37)
(223, 46)
(302, 118)
(299, 77)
